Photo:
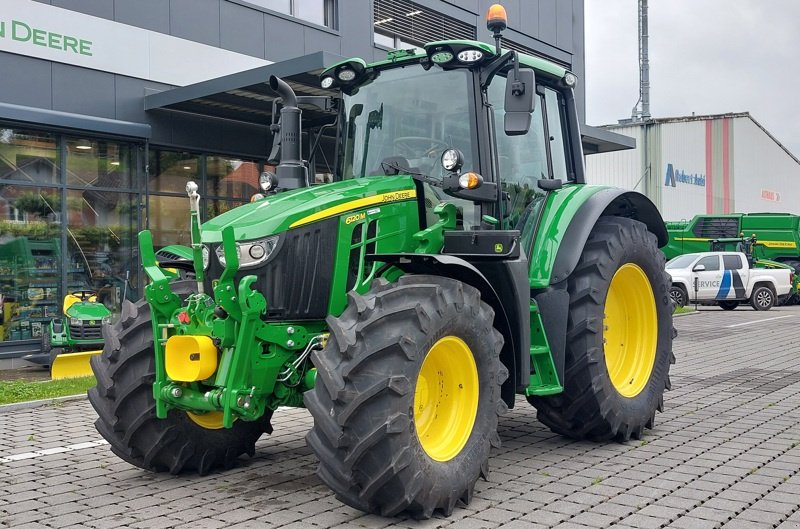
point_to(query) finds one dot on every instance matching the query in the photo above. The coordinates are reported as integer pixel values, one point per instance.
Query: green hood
(278, 213)
(86, 310)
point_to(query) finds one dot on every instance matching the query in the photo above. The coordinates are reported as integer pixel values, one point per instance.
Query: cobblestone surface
(725, 453)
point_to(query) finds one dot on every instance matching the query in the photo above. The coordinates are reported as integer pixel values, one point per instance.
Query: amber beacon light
(496, 18)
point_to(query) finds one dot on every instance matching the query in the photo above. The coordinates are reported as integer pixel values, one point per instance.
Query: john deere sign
(55, 34)
(22, 32)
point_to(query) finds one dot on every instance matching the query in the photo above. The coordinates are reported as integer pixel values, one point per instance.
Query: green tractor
(457, 261)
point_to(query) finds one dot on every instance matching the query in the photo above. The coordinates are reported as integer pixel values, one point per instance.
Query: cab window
(556, 129)
(711, 263)
(732, 262)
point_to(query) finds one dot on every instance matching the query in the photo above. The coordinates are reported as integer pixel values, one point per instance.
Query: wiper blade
(390, 169)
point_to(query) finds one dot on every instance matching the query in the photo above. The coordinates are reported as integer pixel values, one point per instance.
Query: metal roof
(246, 96)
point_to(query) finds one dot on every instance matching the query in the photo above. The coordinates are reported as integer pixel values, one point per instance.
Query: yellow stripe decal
(778, 244)
(382, 198)
(695, 239)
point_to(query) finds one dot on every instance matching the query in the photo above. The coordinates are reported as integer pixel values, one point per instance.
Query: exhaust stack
(291, 171)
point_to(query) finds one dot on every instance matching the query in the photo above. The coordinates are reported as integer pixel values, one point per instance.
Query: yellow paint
(446, 398)
(695, 239)
(630, 330)
(210, 421)
(190, 358)
(71, 299)
(382, 198)
(72, 365)
(778, 244)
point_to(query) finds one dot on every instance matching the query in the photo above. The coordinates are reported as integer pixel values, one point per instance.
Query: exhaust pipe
(291, 171)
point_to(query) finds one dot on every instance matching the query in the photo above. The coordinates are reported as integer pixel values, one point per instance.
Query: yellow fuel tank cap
(190, 358)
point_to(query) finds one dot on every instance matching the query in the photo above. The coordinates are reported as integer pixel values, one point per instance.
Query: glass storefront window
(101, 239)
(98, 163)
(30, 235)
(170, 170)
(28, 156)
(230, 177)
(169, 220)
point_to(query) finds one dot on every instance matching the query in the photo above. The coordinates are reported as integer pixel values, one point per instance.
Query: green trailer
(777, 233)
(457, 261)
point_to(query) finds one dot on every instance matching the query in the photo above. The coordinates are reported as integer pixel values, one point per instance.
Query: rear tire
(762, 298)
(728, 305)
(598, 401)
(380, 447)
(123, 399)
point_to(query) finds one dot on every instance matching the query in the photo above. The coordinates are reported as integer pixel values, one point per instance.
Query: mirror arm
(496, 65)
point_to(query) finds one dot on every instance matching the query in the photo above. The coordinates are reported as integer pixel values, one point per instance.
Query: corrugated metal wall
(721, 164)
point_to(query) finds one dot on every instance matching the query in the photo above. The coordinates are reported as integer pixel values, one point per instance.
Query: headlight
(452, 160)
(441, 57)
(251, 253)
(327, 82)
(75, 321)
(346, 75)
(107, 319)
(206, 257)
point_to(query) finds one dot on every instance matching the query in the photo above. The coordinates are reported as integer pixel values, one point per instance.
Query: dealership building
(108, 108)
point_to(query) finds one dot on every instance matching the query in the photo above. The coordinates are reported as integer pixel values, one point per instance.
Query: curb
(686, 314)
(39, 403)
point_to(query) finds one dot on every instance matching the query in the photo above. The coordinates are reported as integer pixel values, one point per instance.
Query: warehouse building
(108, 108)
(726, 163)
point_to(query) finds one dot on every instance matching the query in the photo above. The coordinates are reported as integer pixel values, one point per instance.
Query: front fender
(567, 220)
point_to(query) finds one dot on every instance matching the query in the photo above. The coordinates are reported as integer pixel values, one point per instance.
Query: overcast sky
(706, 56)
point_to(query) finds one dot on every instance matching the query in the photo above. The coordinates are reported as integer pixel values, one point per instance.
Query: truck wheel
(728, 305)
(407, 397)
(619, 337)
(123, 399)
(763, 298)
(678, 295)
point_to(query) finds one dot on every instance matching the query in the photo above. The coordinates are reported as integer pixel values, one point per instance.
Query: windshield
(682, 261)
(405, 119)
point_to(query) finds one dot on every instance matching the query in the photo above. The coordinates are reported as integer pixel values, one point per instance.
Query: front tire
(762, 298)
(407, 397)
(123, 400)
(619, 337)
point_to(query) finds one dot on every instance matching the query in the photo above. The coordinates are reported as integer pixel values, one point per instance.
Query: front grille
(296, 280)
(85, 331)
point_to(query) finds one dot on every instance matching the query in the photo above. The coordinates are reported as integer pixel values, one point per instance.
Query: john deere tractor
(456, 261)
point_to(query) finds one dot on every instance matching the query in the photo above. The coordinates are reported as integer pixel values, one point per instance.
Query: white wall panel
(766, 178)
(683, 144)
(620, 168)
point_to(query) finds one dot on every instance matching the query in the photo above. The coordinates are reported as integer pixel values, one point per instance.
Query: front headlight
(251, 253)
(107, 319)
(206, 257)
(75, 321)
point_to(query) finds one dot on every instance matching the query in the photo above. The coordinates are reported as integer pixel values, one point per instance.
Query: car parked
(726, 279)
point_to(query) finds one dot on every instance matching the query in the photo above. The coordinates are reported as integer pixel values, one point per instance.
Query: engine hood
(86, 310)
(286, 210)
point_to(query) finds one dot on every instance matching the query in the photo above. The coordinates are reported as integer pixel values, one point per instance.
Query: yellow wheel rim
(210, 421)
(630, 330)
(446, 398)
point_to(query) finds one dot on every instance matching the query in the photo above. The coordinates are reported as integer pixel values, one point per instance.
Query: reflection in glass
(169, 220)
(101, 242)
(98, 163)
(30, 235)
(231, 177)
(170, 170)
(28, 156)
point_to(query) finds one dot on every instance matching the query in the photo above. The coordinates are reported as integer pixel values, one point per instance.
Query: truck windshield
(405, 119)
(682, 261)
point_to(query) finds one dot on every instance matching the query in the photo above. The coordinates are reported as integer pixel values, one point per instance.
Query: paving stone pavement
(725, 453)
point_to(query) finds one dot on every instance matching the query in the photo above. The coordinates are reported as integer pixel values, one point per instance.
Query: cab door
(707, 277)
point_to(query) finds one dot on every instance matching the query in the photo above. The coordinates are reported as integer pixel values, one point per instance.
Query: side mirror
(519, 102)
(699, 268)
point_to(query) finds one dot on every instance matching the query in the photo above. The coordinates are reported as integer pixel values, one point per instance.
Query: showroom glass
(101, 243)
(28, 156)
(317, 11)
(30, 272)
(231, 177)
(171, 170)
(98, 163)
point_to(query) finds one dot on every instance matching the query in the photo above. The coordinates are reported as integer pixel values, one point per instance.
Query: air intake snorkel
(291, 171)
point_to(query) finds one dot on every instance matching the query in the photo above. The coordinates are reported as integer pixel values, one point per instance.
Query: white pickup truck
(726, 279)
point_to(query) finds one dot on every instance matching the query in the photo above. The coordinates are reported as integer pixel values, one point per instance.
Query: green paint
(22, 32)
(544, 377)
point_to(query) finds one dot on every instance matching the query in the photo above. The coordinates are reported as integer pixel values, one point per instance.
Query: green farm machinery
(457, 261)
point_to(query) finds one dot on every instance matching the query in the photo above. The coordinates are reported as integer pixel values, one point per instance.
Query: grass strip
(24, 390)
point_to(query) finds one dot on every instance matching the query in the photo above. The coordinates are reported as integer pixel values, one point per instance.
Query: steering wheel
(410, 146)
(83, 295)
